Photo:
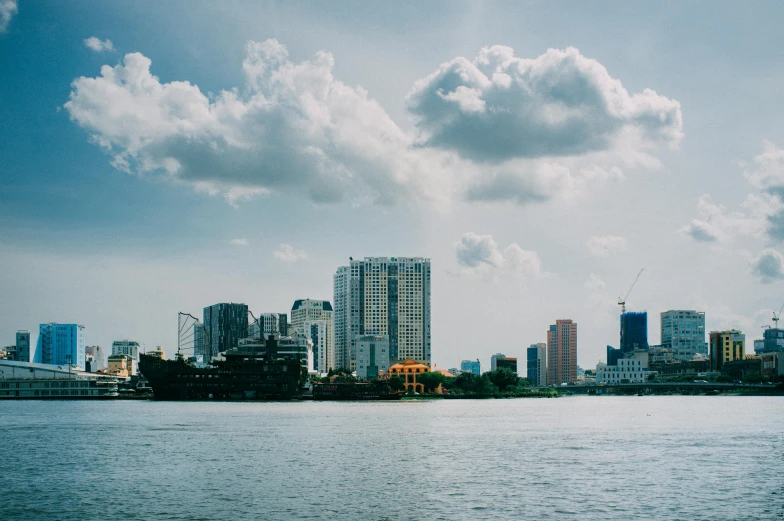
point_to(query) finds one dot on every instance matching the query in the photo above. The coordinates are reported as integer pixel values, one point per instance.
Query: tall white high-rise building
(126, 347)
(384, 296)
(684, 332)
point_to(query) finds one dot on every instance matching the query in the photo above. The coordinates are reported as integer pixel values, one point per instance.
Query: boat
(245, 373)
(357, 391)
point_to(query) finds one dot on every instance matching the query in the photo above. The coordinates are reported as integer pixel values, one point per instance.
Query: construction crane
(777, 317)
(622, 300)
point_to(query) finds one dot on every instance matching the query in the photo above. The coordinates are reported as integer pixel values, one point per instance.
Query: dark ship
(377, 390)
(244, 373)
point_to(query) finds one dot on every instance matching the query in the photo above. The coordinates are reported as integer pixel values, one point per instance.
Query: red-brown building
(562, 352)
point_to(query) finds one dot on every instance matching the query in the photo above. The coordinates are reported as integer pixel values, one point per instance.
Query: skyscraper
(562, 352)
(23, 346)
(316, 317)
(383, 296)
(726, 346)
(683, 331)
(224, 324)
(493, 360)
(634, 331)
(537, 364)
(61, 344)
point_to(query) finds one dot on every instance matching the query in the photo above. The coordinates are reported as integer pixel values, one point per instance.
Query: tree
(396, 383)
(430, 380)
(465, 381)
(524, 382)
(483, 386)
(503, 377)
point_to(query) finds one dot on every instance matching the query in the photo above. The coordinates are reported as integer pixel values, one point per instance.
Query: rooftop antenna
(622, 300)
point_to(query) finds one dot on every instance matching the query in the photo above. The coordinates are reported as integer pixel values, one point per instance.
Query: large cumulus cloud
(498, 107)
(479, 254)
(497, 128)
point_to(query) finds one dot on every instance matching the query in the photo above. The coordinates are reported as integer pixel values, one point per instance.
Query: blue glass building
(634, 331)
(532, 369)
(60, 344)
(613, 355)
(471, 366)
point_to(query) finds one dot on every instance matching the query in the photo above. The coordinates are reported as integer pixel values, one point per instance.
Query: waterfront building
(33, 380)
(372, 355)
(772, 341)
(634, 331)
(743, 368)
(316, 317)
(121, 366)
(772, 364)
(494, 358)
(224, 325)
(23, 346)
(471, 366)
(632, 368)
(613, 355)
(408, 370)
(509, 363)
(537, 364)
(683, 331)
(126, 347)
(99, 360)
(698, 366)
(661, 354)
(562, 352)
(383, 296)
(61, 344)
(726, 346)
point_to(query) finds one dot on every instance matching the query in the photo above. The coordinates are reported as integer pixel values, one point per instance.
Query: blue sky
(539, 175)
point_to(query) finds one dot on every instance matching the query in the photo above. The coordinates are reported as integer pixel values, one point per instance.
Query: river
(582, 457)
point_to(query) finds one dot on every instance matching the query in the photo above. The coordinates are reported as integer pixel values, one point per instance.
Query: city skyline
(119, 228)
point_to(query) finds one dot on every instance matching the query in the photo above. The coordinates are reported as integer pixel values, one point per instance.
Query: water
(616, 458)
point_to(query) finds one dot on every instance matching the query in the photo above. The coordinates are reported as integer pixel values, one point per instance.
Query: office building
(383, 296)
(759, 346)
(61, 344)
(200, 342)
(726, 346)
(634, 331)
(471, 366)
(372, 355)
(562, 352)
(509, 363)
(683, 331)
(23, 346)
(126, 347)
(536, 364)
(98, 358)
(305, 316)
(493, 360)
(632, 368)
(613, 355)
(269, 324)
(772, 341)
(224, 325)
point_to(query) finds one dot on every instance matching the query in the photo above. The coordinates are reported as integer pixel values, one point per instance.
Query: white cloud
(295, 128)
(287, 253)
(594, 284)
(769, 266)
(498, 107)
(479, 254)
(240, 242)
(718, 224)
(99, 45)
(607, 245)
(8, 8)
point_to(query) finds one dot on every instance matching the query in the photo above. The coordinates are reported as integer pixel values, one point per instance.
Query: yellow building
(726, 346)
(121, 365)
(408, 371)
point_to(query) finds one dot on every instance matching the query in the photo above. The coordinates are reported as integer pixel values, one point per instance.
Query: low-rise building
(408, 371)
(372, 355)
(121, 365)
(772, 365)
(660, 354)
(744, 369)
(632, 368)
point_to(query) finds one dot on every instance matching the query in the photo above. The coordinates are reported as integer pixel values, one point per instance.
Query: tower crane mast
(622, 300)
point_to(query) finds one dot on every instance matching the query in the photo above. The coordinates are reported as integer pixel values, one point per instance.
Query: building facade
(683, 331)
(509, 363)
(269, 324)
(632, 368)
(225, 324)
(634, 331)
(562, 352)
(471, 366)
(61, 344)
(772, 341)
(493, 360)
(408, 371)
(537, 364)
(126, 347)
(23, 347)
(372, 355)
(726, 346)
(383, 296)
(306, 314)
(99, 360)
(613, 355)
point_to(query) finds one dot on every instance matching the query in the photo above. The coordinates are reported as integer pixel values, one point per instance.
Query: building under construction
(634, 331)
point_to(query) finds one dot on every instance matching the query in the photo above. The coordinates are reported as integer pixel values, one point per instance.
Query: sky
(162, 157)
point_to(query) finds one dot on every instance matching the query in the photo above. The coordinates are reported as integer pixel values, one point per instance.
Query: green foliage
(430, 380)
(502, 378)
(525, 382)
(396, 383)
